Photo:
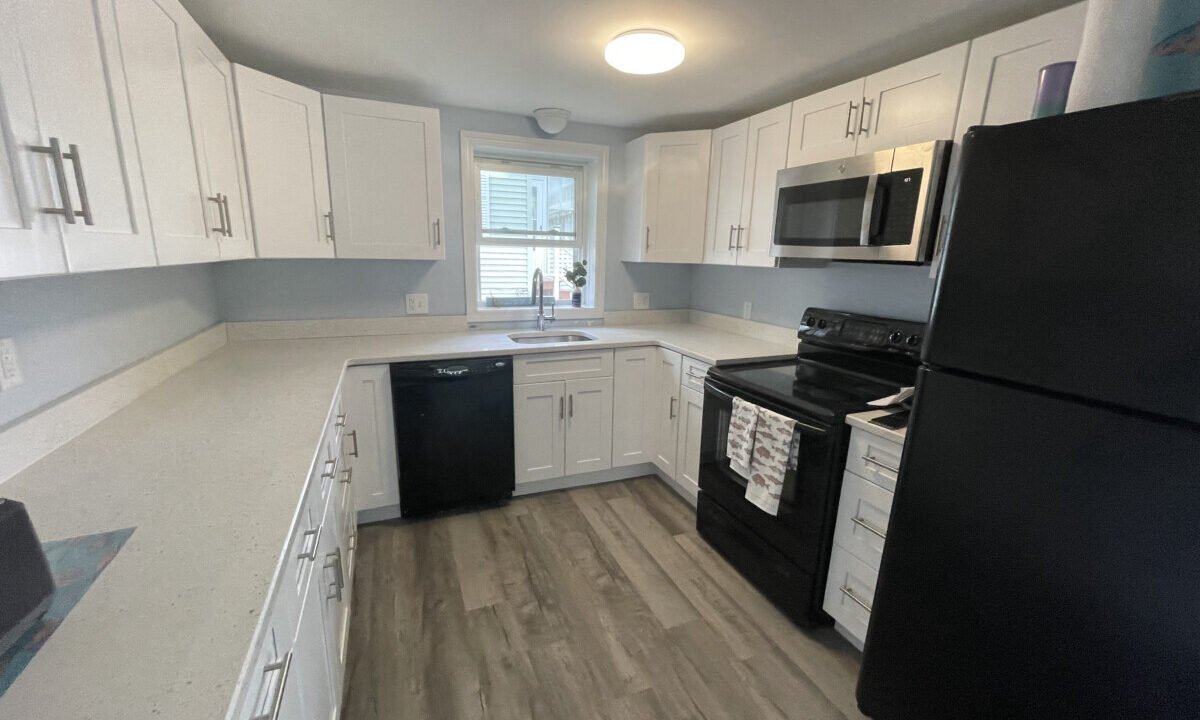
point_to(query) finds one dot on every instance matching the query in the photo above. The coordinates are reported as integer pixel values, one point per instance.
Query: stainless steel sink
(545, 338)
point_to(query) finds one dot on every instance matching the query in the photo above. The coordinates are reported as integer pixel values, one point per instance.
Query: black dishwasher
(454, 433)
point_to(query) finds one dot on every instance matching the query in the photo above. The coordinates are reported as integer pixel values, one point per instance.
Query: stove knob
(914, 340)
(896, 337)
(809, 320)
(821, 324)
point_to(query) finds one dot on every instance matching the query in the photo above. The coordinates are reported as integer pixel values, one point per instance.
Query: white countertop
(863, 420)
(209, 467)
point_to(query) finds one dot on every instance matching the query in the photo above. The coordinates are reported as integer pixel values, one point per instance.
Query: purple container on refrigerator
(1043, 558)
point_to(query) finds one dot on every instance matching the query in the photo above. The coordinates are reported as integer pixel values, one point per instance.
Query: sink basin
(545, 338)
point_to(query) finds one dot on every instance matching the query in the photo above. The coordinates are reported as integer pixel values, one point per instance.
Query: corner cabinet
(371, 441)
(385, 175)
(746, 155)
(286, 169)
(667, 191)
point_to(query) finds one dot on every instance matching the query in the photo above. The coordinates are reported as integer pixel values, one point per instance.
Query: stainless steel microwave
(879, 207)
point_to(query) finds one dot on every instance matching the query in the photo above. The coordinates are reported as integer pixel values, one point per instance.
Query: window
(530, 205)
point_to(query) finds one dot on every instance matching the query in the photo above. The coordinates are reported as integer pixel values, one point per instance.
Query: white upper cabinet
(825, 126)
(284, 139)
(666, 197)
(913, 103)
(151, 33)
(385, 174)
(80, 149)
(218, 144)
(766, 155)
(726, 175)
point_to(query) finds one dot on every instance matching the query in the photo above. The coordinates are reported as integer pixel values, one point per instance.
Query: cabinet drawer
(850, 591)
(863, 513)
(693, 374)
(562, 366)
(874, 458)
(265, 677)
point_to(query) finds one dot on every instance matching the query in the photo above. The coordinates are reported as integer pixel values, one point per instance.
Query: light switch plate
(641, 301)
(416, 304)
(746, 307)
(10, 367)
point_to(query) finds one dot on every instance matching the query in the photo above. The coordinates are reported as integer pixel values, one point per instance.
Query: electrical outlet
(746, 306)
(416, 304)
(10, 367)
(641, 301)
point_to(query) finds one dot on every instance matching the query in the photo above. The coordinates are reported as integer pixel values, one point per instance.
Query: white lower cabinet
(539, 420)
(633, 405)
(370, 440)
(668, 367)
(691, 421)
(863, 514)
(589, 425)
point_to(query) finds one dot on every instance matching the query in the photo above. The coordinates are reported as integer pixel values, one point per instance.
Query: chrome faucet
(539, 296)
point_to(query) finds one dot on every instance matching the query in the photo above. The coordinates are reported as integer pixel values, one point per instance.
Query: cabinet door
(766, 155)
(726, 174)
(215, 126)
(367, 398)
(691, 418)
(284, 140)
(633, 405)
(676, 195)
(539, 414)
(668, 366)
(309, 676)
(150, 34)
(913, 103)
(30, 240)
(330, 575)
(589, 425)
(78, 90)
(825, 126)
(385, 176)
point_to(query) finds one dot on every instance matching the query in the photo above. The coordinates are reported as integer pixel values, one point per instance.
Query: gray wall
(74, 329)
(780, 295)
(299, 289)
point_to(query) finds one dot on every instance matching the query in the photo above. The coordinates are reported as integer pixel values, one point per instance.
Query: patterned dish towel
(742, 423)
(769, 459)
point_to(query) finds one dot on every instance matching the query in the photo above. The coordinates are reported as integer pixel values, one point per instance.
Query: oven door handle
(723, 396)
(872, 211)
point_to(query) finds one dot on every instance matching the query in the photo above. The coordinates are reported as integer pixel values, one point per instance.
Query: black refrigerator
(1043, 554)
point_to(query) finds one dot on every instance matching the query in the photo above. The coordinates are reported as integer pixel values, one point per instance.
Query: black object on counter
(26, 586)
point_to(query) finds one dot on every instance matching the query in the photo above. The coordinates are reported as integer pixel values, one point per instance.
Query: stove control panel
(831, 327)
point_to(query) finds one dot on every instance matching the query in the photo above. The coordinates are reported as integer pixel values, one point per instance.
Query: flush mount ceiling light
(644, 52)
(552, 121)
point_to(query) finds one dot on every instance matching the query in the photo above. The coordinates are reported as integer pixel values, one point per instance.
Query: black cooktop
(821, 383)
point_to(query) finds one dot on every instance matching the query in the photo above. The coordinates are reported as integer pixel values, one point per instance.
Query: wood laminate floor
(598, 602)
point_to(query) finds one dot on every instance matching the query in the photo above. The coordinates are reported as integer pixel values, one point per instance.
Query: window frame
(590, 221)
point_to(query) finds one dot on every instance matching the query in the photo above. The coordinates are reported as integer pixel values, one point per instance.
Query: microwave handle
(872, 211)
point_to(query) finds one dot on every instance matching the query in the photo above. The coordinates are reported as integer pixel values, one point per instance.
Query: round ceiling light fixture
(644, 52)
(552, 121)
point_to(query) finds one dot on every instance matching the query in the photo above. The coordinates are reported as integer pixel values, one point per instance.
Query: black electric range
(843, 362)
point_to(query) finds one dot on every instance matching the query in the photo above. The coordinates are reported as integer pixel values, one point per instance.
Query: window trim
(593, 223)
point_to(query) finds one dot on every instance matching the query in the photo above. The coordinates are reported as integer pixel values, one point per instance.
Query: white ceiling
(517, 55)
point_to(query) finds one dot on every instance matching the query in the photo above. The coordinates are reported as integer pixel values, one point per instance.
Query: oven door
(799, 531)
(878, 207)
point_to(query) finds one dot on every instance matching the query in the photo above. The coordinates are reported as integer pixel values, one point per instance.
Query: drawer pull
(334, 560)
(694, 375)
(311, 553)
(855, 598)
(353, 435)
(868, 527)
(340, 421)
(885, 466)
(330, 470)
(347, 476)
(285, 667)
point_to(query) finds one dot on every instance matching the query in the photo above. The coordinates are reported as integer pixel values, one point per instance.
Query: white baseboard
(387, 512)
(30, 439)
(688, 493)
(766, 332)
(355, 327)
(593, 478)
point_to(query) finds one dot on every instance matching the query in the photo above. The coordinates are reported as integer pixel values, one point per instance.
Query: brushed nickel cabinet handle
(353, 435)
(571, 405)
(329, 233)
(561, 411)
(731, 231)
(855, 598)
(864, 123)
(437, 232)
(647, 238)
(216, 200)
(330, 469)
(868, 527)
(85, 208)
(284, 665)
(334, 560)
(311, 553)
(672, 409)
(738, 245)
(228, 216)
(54, 150)
(347, 476)
(340, 421)
(849, 117)
(885, 466)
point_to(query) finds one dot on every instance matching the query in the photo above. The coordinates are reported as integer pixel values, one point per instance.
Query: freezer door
(1042, 560)
(1073, 261)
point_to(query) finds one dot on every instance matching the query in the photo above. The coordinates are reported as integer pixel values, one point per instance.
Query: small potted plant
(577, 276)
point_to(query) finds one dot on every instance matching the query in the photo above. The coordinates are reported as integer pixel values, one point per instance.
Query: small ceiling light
(552, 121)
(644, 52)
